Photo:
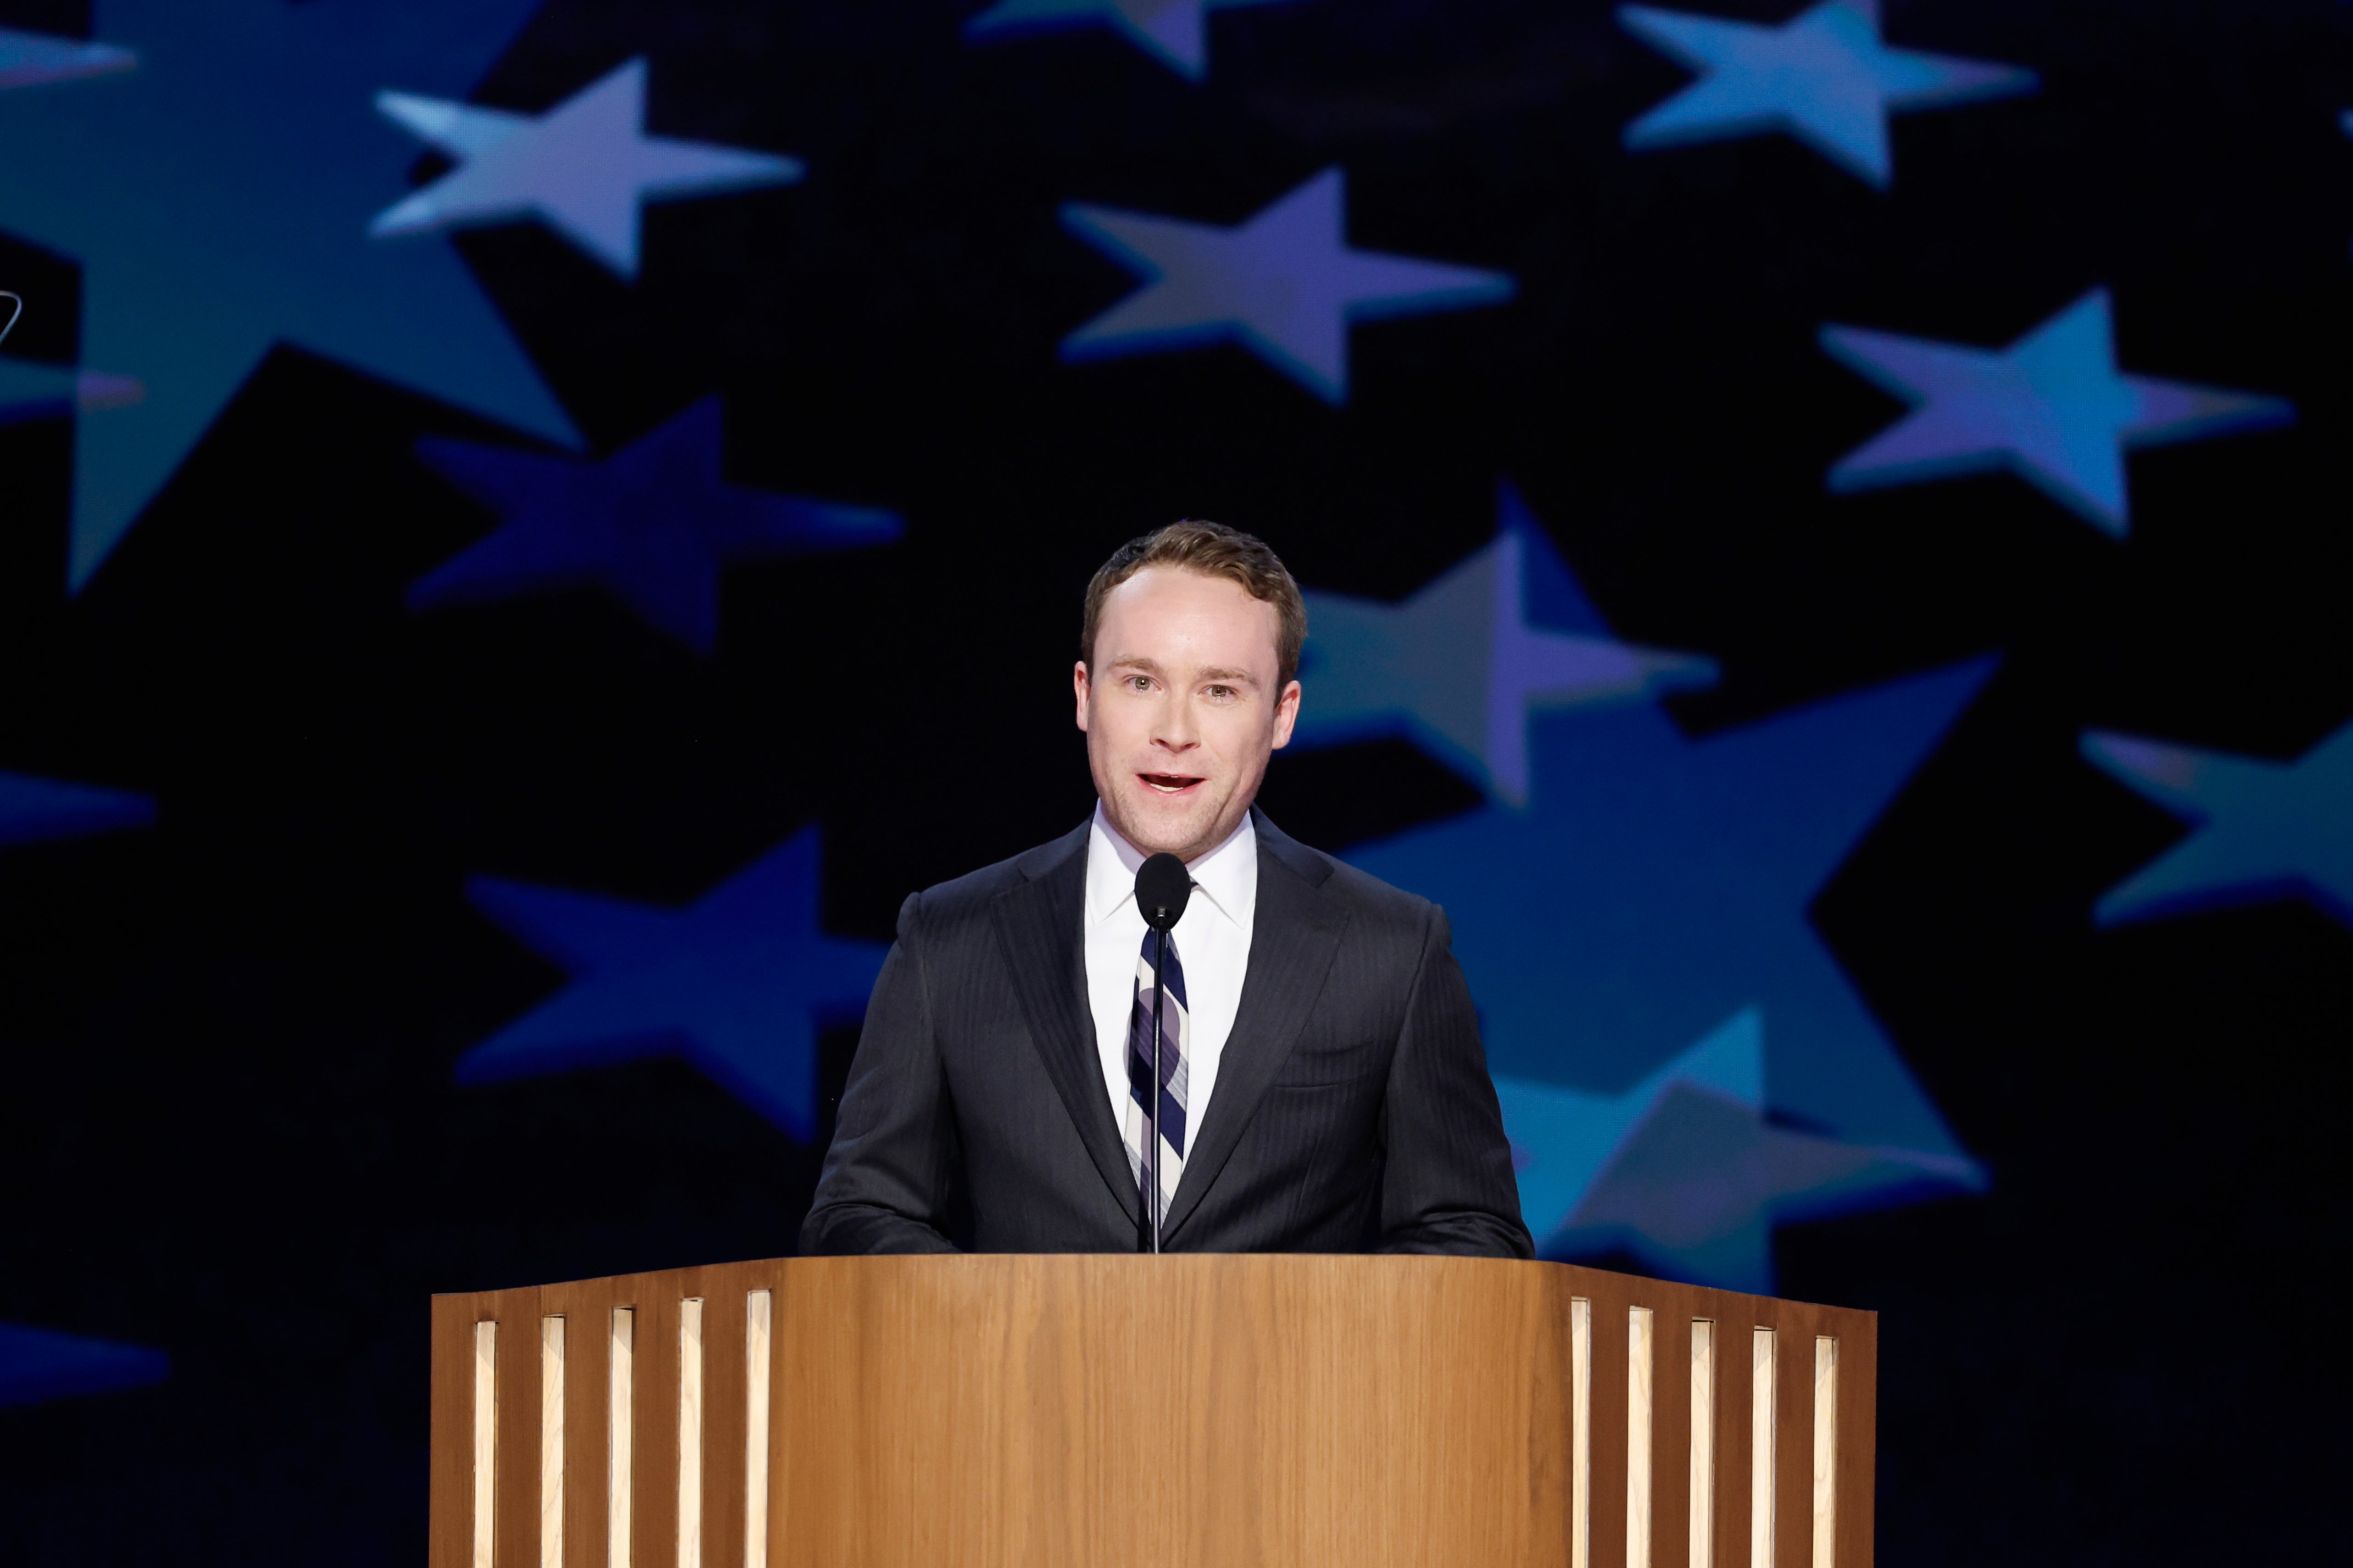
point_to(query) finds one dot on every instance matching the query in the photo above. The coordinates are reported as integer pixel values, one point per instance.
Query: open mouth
(1170, 783)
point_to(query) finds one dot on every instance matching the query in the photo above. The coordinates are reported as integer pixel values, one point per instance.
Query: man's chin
(1180, 826)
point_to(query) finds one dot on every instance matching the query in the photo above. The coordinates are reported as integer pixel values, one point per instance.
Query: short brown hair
(1214, 550)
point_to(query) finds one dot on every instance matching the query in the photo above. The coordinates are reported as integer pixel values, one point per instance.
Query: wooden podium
(1177, 1412)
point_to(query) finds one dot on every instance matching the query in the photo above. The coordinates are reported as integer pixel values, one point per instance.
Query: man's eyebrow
(1133, 661)
(1242, 676)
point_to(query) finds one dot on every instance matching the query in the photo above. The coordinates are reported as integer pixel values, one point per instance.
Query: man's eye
(1139, 683)
(1221, 692)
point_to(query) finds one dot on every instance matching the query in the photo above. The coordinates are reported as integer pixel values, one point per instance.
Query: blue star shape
(1685, 1171)
(1655, 885)
(584, 167)
(1285, 284)
(738, 983)
(652, 523)
(218, 196)
(2264, 829)
(41, 1364)
(1173, 32)
(29, 391)
(32, 59)
(2051, 408)
(33, 809)
(1461, 666)
(1824, 77)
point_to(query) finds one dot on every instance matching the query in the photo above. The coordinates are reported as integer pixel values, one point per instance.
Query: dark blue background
(229, 1128)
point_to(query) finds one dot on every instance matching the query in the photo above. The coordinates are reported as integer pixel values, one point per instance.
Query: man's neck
(1133, 857)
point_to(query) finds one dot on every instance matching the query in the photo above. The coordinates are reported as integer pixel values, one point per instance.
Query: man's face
(1182, 711)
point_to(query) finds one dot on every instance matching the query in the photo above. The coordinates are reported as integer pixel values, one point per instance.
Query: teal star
(1686, 1172)
(217, 197)
(2051, 408)
(1824, 77)
(1462, 665)
(2264, 829)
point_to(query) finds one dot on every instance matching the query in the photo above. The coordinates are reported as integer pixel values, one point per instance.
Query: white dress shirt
(1213, 941)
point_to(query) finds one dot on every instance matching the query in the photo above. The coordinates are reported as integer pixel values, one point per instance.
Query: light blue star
(1174, 32)
(1284, 284)
(1823, 77)
(652, 523)
(738, 983)
(29, 391)
(1655, 886)
(1684, 1171)
(1460, 666)
(29, 59)
(2264, 830)
(217, 197)
(583, 166)
(2051, 408)
(40, 1364)
(33, 809)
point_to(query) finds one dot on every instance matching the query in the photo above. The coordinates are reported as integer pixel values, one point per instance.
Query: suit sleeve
(1447, 1186)
(894, 1156)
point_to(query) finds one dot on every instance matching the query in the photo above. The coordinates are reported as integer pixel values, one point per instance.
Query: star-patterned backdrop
(532, 524)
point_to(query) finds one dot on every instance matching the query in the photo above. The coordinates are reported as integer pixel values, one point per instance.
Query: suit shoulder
(970, 896)
(1372, 897)
(1368, 898)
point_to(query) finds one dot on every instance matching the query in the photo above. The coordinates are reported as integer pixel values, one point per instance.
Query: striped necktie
(1175, 1027)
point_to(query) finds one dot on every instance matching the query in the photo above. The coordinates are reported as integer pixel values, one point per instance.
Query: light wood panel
(1200, 1410)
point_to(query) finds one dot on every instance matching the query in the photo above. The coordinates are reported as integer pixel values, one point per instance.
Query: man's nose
(1176, 731)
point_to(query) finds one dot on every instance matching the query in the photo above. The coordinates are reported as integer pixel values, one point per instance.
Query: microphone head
(1163, 887)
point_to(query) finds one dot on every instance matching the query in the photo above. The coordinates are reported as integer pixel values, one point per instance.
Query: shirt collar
(1227, 876)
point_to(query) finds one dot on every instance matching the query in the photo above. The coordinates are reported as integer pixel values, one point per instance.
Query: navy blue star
(32, 810)
(652, 523)
(738, 983)
(40, 1364)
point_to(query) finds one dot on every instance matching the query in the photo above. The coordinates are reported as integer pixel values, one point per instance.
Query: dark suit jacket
(1352, 1112)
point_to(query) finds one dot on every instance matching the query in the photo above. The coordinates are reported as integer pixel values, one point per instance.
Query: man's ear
(1286, 714)
(1078, 689)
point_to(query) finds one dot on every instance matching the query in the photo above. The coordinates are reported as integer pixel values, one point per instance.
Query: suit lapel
(1041, 928)
(1294, 937)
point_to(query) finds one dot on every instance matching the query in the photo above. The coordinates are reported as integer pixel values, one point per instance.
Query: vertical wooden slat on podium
(517, 1313)
(655, 1514)
(1735, 1322)
(1611, 1296)
(451, 1517)
(1670, 1433)
(1858, 1437)
(1793, 1489)
(587, 1309)
(723, 1291)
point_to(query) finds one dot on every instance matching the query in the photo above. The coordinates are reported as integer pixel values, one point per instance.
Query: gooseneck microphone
(1162, 887)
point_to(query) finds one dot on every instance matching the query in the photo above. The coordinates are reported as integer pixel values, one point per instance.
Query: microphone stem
(1159, 978)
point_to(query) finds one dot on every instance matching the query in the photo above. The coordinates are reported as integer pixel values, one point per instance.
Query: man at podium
(1322, 1085)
